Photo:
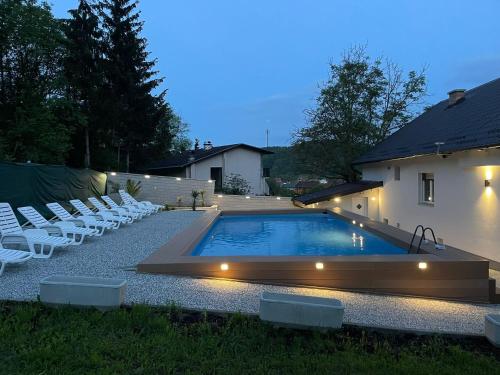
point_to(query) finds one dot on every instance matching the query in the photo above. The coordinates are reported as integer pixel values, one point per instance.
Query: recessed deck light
(422, 265)
(361, 225)
(177, 178)
(219, 196)
(113, 173)
(210, 181)
(278, 198)
(354, 222)
(147, 176)
(247, 197)
(224, 267)
(320, 266)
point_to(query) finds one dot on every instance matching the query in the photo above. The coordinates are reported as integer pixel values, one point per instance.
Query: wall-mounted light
(224, 267)
(177, 178)
(147, 176)
(247, 197)
(336, 200)
(487, 183)
(422, 265)
(113, 173)
(373, 198)
(219, 196)
(319, 265)
(210, 181)
(278, 198)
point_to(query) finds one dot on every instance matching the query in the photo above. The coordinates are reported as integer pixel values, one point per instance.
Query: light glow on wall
(320, 266)
(224, 267)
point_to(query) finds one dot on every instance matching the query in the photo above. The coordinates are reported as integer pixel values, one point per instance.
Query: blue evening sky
(234, 68)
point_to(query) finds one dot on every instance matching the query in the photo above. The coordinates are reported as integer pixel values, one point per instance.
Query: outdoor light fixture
(210, 181)
(219, 196)
(178, 178)
(224, 267)
(487, 183)
(361, 225)
(422, 265)
(113, 173)
(147, 176)
(336, 200)
(247, 197)
(278, 198)
(354, 222)
(373, 198)
(319, 266)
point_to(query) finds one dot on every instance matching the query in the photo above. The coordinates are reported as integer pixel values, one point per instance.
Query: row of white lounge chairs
(44, 236)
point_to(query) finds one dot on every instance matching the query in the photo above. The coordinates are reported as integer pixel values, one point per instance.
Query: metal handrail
(422, 237)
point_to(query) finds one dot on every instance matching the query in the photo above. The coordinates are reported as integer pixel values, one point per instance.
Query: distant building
(217, 164)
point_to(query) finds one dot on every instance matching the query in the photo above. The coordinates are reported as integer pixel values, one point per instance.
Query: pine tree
(83, 67)
(136, 110)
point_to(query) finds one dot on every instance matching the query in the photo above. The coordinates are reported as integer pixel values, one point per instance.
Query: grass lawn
(36, 339)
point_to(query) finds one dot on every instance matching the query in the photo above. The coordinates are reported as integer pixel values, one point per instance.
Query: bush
(235, 185)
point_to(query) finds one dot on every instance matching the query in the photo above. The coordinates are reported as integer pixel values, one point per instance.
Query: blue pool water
(293, 234)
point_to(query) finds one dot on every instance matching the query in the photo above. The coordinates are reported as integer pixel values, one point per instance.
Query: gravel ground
(116, 253)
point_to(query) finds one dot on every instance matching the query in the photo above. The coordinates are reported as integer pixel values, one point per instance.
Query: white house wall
(466, 214)
(240, 161)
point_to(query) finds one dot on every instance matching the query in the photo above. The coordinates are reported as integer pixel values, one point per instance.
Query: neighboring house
(217, 164)
(441, 170)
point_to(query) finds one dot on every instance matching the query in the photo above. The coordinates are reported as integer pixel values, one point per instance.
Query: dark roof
(473, 122)
(189, 157)
(338, 191)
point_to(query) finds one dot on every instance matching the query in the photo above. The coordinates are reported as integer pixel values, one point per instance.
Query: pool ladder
(422, 237)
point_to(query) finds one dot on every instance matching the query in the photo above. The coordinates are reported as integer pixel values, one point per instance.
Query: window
(427, 188)
(266, 172)
(397, 173)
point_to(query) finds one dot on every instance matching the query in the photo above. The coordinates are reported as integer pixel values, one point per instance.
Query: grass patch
(141, 339)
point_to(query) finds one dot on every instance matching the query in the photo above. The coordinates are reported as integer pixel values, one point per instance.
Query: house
(218, 164)
(441, 170)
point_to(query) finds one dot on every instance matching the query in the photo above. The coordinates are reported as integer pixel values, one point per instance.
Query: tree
(82, 67)
(135, 111)
(362, 103)
(31, 84)
(179, 131)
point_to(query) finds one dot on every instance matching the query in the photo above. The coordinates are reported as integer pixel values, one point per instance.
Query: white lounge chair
(131, 208)
(127, 198)
(69, 230)
(8, 256)
(87, 221)
(120, 211)
(39, 241)
(83, 209)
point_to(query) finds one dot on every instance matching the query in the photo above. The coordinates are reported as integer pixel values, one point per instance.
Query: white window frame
(426, 197)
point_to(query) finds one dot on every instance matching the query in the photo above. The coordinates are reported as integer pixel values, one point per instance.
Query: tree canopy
(362, 103)
(82, 91)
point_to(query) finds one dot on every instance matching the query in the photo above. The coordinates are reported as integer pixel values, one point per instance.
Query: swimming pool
(315, 234)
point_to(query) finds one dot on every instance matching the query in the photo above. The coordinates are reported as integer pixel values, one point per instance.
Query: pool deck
(116, 254)
(447, 274)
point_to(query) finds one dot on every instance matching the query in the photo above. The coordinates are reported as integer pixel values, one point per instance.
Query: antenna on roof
(438, 145)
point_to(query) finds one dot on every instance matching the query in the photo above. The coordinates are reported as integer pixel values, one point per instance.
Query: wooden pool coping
(449, 274)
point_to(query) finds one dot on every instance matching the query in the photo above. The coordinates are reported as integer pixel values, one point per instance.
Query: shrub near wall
(163, 189)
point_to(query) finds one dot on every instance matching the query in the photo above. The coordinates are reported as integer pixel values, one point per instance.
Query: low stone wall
(240, 202)
(163, 189)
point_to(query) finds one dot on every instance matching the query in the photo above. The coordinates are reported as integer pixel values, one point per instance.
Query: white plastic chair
(39, 241)
(69, 230)
(108, 217)
(8, 256)
(120, 211)
(128, 199)
(131, 208)
(87, 221)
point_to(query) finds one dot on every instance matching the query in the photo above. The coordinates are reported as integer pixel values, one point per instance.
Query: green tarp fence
(26, 184)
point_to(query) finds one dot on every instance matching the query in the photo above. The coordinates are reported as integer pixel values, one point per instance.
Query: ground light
(320, 266)
(113, 173)
(224, 267)
(177, 178)
(147, 176)
(422, 265)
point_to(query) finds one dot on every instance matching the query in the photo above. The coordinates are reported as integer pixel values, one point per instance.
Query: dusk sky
(234, 68)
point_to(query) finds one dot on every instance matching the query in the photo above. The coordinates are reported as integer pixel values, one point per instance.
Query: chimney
(207, 145)
(455, 95)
